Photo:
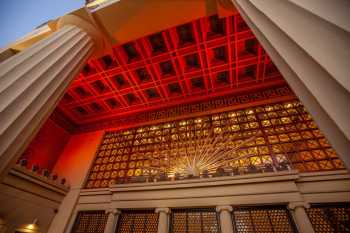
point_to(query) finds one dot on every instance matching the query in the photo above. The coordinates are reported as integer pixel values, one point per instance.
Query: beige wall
(252, 189)
(26, 195)
(20, 207)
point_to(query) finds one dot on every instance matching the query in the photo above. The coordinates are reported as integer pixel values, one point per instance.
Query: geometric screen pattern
(90, 222)
(262, 220)
(330, 218)
(198, 60)
(281, 133)
(138, 221)
(194, 221)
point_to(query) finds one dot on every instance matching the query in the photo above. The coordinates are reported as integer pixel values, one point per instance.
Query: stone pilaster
(113, 215)
(163, 220)
(300, 216)
(225, 218)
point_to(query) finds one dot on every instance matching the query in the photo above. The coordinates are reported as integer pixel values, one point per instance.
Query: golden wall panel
(263, 138)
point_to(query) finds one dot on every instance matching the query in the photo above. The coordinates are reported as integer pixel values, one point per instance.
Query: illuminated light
(182, 123)
(154, 127)
(250, 111)
(30, 228)
(215, 117)
(268, 108)
(288, 105)
(198, 120)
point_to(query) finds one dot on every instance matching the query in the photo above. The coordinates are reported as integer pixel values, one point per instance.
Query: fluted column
(113, 215)
(300, 216)
(31, 84)
(309, 41)
(225, 218)
(163, 220)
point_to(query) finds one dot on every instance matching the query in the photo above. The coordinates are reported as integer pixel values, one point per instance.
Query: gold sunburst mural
(201, 154)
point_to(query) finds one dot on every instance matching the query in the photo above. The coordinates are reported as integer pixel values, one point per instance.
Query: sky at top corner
(19, 17)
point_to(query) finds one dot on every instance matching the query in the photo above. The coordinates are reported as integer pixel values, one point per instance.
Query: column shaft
(302, 220)
(31, 84)
(163, 219)
(225, 218)
(112, 221)
(300, 216)
(311, 53)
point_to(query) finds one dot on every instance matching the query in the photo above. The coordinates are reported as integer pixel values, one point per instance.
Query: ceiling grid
(196, 61)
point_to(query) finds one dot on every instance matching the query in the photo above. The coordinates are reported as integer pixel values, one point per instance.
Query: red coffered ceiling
(199, 60)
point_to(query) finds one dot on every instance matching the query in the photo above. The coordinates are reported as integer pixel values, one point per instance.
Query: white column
(31, 84)
(300, 216)
(163, 220)
(113, 215)
(309, 41)
(225, 218)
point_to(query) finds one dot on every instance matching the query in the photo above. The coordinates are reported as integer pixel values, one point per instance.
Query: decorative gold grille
(90, 222)
(268, 137)
(138, 221)
(330, 219)
(262, 220)
(199, 220)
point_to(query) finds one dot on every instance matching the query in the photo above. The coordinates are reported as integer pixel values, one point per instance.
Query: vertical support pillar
(163, 220)
(319, 77)
(225, 218)
(34, 80)
(112, 221)
(31, 84)
(300, 216)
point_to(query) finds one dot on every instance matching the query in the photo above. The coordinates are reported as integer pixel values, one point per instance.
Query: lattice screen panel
(90, 222)
(138, 221)
(275, 134)
(194, 221)
(262, 220)
(330, 219)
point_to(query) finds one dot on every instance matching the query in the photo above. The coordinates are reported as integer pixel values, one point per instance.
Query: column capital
(224, 208)
(113, 211)
(162, 209)
(293, 205)
(83, 19)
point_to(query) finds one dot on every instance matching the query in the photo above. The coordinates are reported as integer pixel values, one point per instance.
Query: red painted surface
(198, 61)
(46, 146)
(75, 160)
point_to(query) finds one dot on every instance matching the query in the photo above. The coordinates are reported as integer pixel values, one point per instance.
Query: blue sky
(18, 17)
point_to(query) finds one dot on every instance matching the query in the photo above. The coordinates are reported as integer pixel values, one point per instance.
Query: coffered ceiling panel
(196, 61)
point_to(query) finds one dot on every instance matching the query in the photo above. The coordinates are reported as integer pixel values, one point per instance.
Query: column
(33, 81)
(312, 53)
(225, 218)
(163, 220)
(113, 215)
(300, 216)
